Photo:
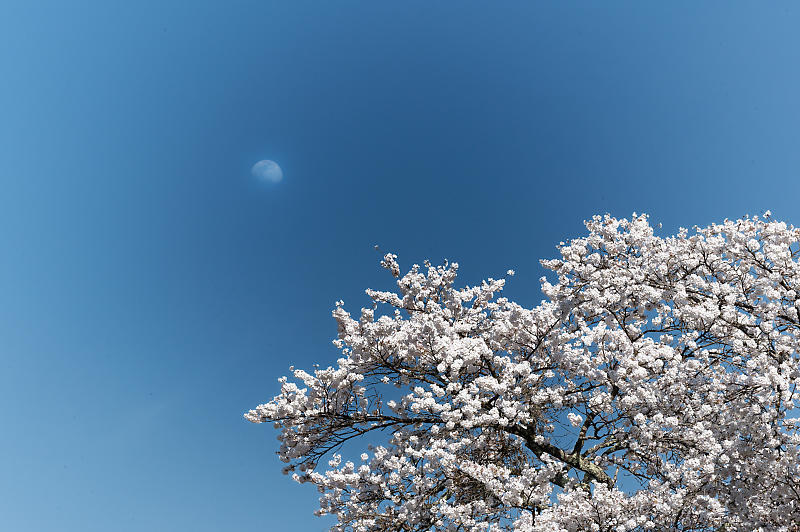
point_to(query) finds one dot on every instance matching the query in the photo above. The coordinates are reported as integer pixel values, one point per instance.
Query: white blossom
(673, 360)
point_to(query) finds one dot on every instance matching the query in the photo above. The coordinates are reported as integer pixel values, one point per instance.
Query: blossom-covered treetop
(654, 388)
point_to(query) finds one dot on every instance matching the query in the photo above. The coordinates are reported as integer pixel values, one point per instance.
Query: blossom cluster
(655, 388)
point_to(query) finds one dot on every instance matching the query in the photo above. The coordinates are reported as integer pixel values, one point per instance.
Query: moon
(267, 170)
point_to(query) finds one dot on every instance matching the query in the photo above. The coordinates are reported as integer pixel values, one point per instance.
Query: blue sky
(151, 290)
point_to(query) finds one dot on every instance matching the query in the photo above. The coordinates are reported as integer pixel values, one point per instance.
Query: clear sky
(152, 290)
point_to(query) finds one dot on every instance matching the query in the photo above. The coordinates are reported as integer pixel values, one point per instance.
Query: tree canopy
(654, 388)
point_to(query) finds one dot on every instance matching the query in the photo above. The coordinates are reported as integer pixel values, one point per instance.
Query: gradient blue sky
(151, 290)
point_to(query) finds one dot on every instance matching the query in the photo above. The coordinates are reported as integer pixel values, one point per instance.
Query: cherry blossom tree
(654, 388)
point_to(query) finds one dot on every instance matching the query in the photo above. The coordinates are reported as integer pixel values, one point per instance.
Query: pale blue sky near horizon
(153, 290)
